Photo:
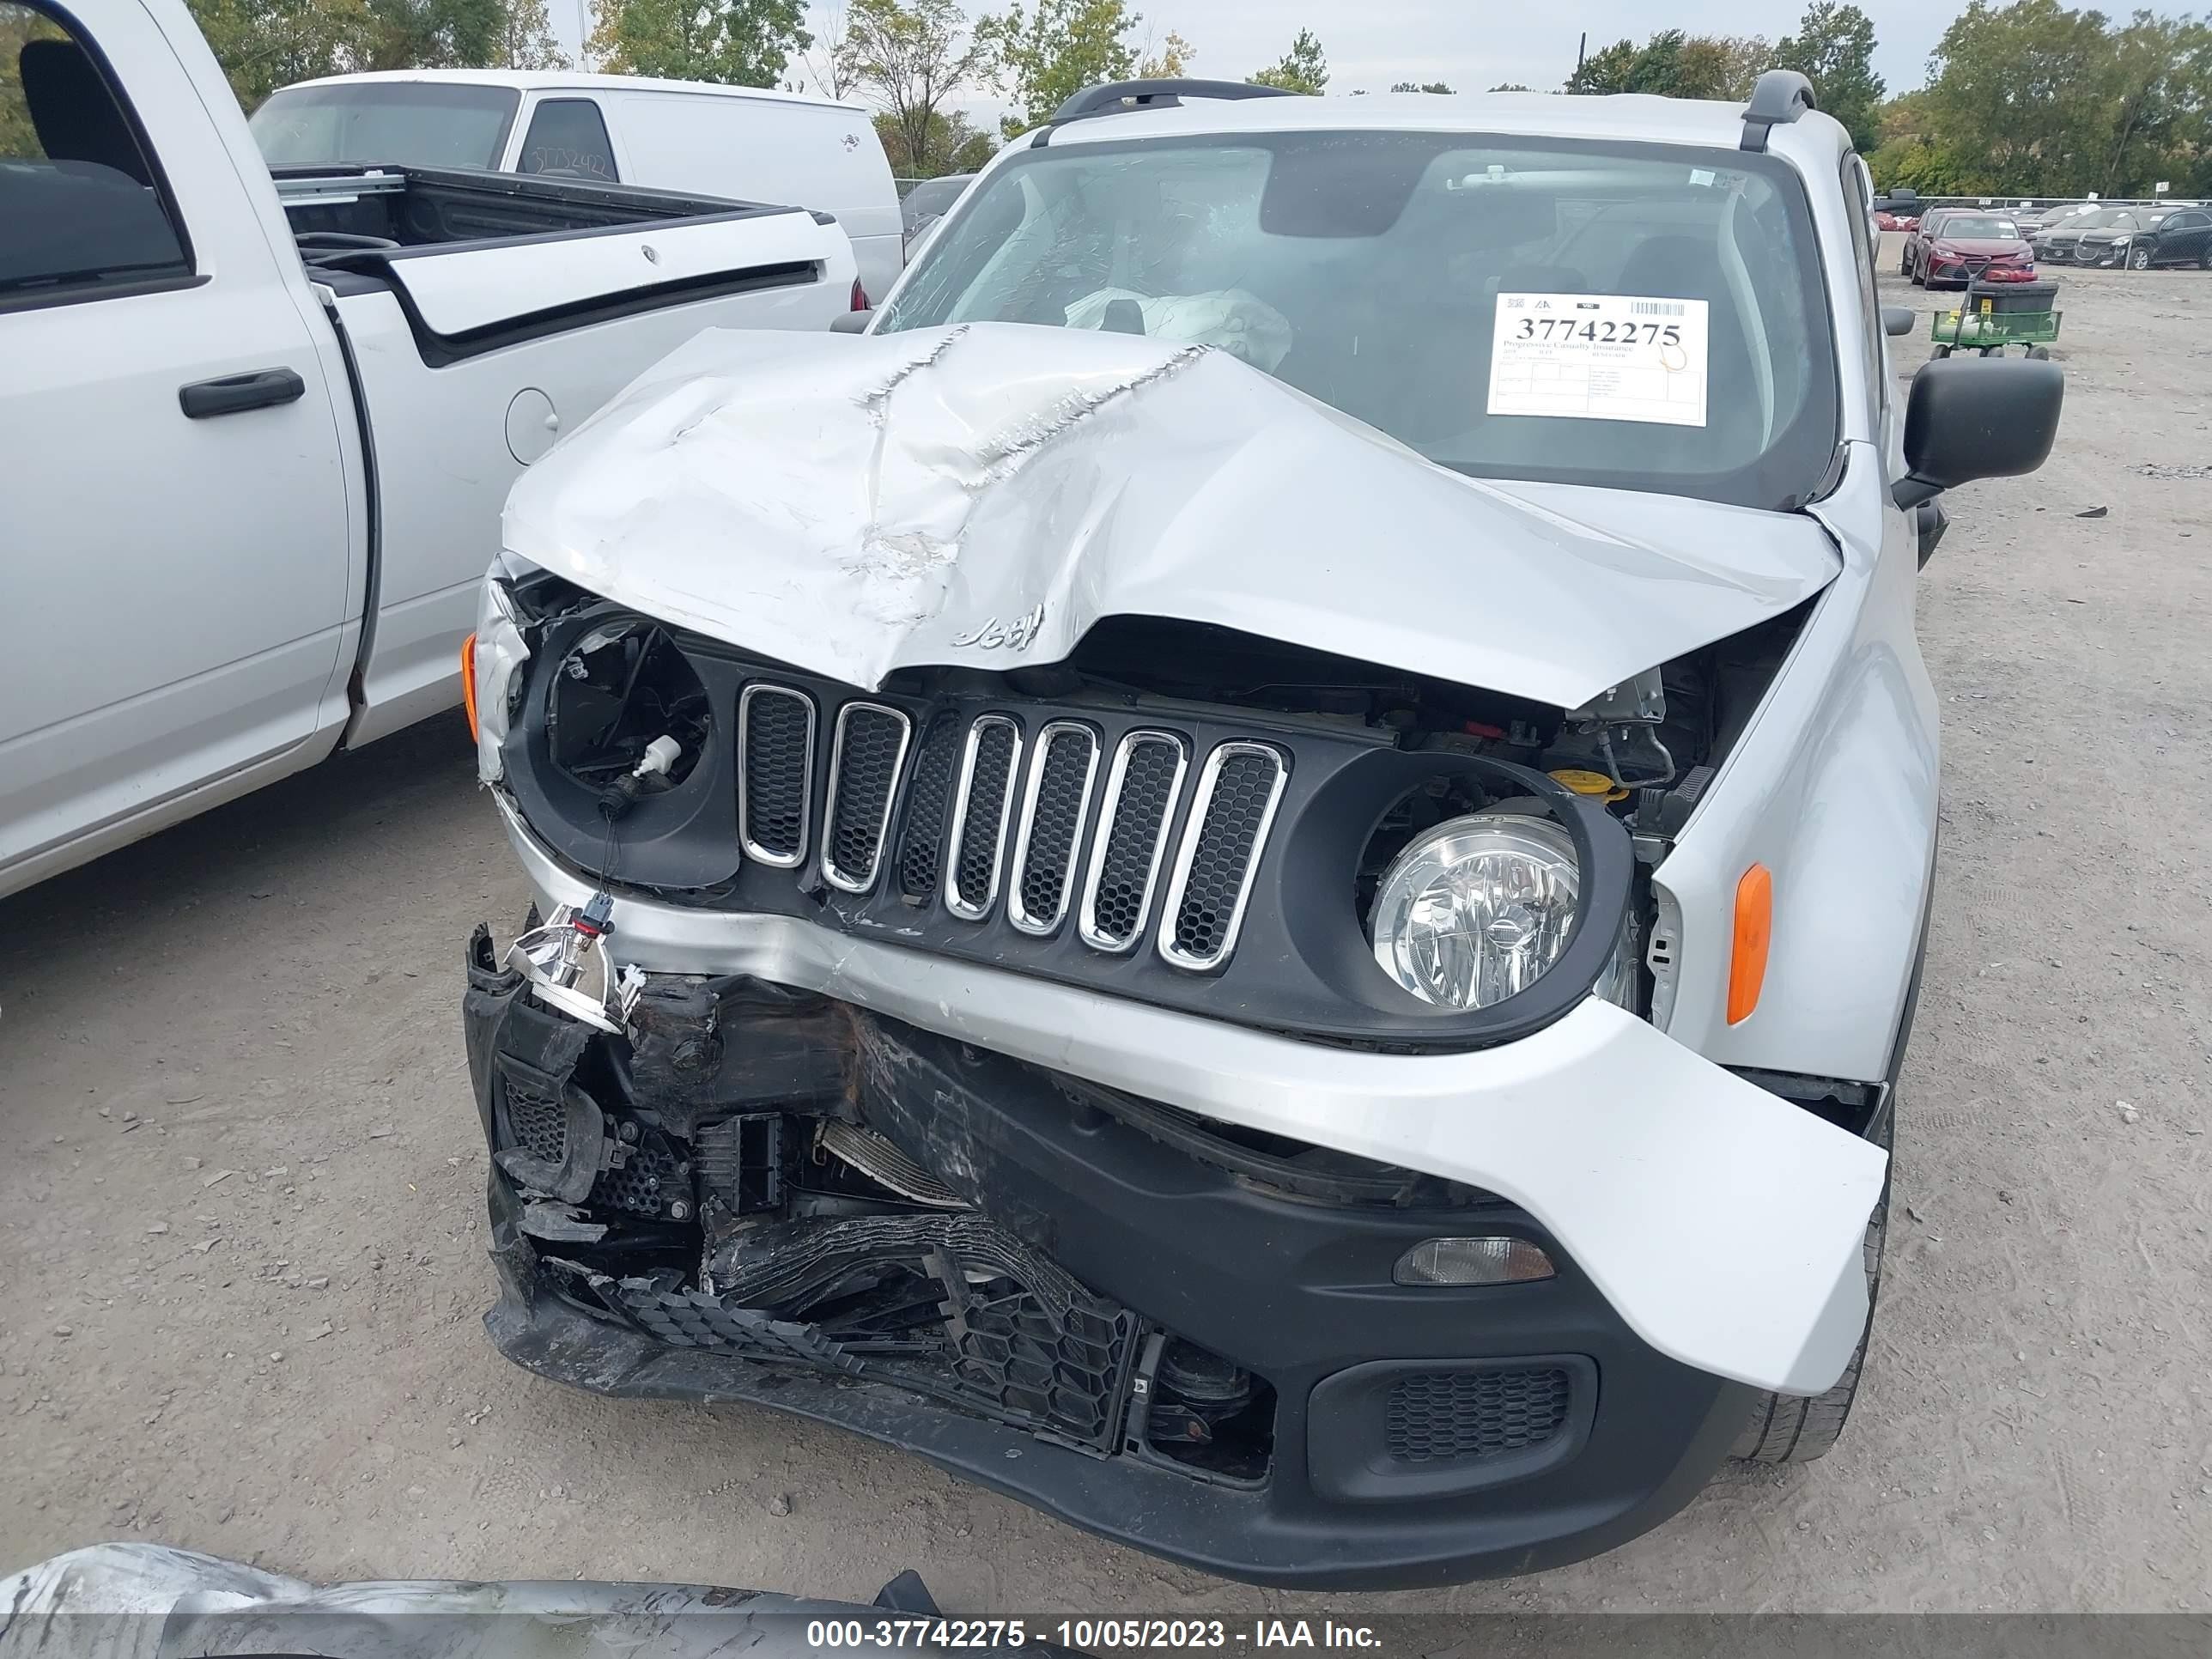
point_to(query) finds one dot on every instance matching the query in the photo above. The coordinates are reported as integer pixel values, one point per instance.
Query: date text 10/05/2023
(1086, 1633)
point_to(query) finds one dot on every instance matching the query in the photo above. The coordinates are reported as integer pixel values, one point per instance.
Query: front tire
(1794, 1428)
(2140, 259)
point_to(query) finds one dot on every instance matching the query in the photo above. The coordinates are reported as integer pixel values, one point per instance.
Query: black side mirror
(1976, 417)
(1897, 321)
(850, 322)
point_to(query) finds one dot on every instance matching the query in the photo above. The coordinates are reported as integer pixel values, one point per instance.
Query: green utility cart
(1993, 316)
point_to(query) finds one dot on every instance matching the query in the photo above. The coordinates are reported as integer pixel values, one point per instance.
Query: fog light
(1472, 1261)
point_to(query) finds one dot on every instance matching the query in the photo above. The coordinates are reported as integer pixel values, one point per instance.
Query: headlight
(1477, 909)
(500, 652)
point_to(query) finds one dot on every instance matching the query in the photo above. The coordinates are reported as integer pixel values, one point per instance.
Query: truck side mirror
(1897, 320)
(850, 322)
(1976, 417)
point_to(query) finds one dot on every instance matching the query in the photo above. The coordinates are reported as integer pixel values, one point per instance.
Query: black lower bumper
(1408, 1435)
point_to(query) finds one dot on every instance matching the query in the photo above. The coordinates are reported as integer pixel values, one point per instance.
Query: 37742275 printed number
(1600, 357)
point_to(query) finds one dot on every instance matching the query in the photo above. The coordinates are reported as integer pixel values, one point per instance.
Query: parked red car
(1891, 219)
(1955, 246)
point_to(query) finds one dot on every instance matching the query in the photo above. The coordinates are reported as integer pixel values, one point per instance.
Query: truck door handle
(258, 390)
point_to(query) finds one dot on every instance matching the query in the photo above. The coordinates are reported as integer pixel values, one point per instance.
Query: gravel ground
(241, 1183)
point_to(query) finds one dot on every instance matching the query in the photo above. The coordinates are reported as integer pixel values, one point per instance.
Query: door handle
(260, 389)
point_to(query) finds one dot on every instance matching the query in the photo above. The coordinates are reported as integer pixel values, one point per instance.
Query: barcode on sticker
(1656, 308)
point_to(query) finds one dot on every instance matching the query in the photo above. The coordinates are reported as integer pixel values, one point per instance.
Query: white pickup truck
(255, 434)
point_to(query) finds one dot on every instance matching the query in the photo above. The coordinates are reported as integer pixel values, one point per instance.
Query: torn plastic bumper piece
(140, 1600)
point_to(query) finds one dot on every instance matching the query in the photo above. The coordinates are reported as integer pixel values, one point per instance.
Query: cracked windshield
(1373, 270)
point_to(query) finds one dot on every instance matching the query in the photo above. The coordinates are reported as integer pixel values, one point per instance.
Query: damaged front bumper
(1136, 1267)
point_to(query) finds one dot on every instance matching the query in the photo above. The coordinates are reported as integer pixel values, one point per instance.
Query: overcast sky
(1470, 45)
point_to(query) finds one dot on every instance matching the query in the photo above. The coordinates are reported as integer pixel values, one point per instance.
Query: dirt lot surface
(241, 1238)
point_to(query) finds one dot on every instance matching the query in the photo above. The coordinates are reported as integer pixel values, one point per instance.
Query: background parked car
(744, 143)
(2143, 237)
(1898, 210)
(930, 201)
(2035, 221)
(1955, 246)
(2061, 243)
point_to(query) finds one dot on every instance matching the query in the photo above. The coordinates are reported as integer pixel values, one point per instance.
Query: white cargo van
(746, 142)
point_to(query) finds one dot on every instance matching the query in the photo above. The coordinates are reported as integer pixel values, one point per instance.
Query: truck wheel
(2040, 353)
(1791, 1429)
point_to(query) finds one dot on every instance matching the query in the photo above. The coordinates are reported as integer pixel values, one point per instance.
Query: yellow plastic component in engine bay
(1590, 783)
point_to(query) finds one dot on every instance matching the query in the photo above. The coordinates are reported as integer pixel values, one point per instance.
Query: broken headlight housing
(500, 652)
(1477, 909)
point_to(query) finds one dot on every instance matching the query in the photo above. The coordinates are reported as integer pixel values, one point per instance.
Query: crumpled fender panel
(1724, 1224)
(981, 495)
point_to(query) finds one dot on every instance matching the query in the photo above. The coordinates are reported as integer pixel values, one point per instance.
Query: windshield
(1629, 316)
(417, 123)
(1978, 227)
(2096, 219)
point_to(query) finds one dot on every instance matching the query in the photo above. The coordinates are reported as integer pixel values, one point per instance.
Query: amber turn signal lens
(1754, 930)
(469, 684)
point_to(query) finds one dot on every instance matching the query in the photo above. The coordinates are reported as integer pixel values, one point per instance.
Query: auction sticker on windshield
(1600, 357)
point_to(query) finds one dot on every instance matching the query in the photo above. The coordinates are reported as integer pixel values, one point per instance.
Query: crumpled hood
(981, 495)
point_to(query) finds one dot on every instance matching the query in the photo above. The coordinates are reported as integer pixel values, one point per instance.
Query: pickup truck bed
(531, 300)
(468, 252)
(257, 465)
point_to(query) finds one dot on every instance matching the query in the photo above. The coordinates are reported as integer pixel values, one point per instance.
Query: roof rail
(1779, 97)
(1158, 92)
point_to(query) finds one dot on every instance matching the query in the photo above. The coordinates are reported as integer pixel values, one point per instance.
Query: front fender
(1833, 788)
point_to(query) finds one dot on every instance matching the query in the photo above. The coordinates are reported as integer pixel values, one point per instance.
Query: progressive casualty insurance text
(1091, 1634)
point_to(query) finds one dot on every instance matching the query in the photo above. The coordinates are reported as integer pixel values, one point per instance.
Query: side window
(1858, 195)
(81, 210)
(567, 138)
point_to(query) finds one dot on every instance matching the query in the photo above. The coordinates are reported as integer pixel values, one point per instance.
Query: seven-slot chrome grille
(977, 812)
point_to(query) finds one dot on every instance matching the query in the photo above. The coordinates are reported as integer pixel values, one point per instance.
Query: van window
(568, 138)
(745, 149)
(81, 209)
(402, 124)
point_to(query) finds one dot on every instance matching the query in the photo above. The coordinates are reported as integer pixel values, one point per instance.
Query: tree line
(2022, 97)
(908, 58)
